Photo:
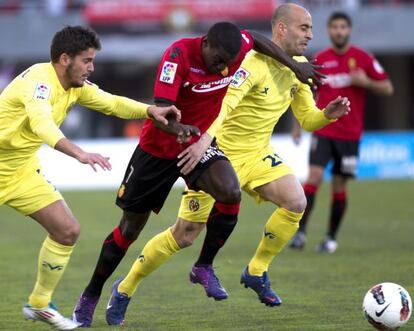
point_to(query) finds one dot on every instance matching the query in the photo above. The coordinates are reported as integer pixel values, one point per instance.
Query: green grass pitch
(320, 292)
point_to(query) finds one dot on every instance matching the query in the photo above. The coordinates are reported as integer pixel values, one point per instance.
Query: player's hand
(359, 78)
(308, 73)
(337, 108)
(193, 154)
(161, 113)
(94, 159)
(184, 132)
(296, 135)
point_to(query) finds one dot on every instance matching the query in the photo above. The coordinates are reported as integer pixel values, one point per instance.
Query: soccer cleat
(298, 241)
(261, 285)
(83, 312)
(327, 245)
(204, 275)
(117, 306)
(50, 316)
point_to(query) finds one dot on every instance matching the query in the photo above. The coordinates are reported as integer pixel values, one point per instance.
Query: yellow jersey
(261, 91)
(34, 105)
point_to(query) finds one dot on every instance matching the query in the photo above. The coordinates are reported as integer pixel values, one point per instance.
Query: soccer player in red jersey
(351, 72)
(194, 75)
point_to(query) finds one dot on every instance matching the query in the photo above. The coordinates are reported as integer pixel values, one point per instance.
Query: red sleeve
(247, 43)
(171, 71)
(374, 69)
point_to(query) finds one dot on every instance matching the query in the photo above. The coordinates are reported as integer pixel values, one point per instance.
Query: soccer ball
(387, 306)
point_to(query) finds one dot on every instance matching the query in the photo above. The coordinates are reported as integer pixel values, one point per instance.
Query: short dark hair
(340, 16)
(225, 35)
(72, 40)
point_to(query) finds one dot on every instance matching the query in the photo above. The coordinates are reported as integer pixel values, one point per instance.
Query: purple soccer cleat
(83, 312)
(204, 275)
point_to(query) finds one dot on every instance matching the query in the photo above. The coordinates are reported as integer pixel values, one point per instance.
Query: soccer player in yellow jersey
(261, 92)
(32, 107)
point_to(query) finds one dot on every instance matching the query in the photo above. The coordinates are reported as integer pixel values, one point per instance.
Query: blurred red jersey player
(351, 72)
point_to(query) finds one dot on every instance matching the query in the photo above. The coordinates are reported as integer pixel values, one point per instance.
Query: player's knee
(185, 232)
(296, 204)
(230, 195)
(69, 234)
(132, 224)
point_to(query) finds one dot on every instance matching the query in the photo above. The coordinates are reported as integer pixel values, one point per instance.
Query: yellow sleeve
(309, 116)
(245, 78)
(93, 97)
(36, 99)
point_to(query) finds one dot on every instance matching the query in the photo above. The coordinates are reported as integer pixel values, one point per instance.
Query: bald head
(286, 12)
(292, 28)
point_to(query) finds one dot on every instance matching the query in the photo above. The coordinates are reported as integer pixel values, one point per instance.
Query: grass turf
(320, 292)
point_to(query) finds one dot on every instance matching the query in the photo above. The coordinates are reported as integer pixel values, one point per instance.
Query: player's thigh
(146, 183)
(285, 192)
(195, 206)
(345, 158)
(59, 222)
(32, 193)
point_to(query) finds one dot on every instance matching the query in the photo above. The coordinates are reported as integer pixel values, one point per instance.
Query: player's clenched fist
(161, 113)
(337, 108)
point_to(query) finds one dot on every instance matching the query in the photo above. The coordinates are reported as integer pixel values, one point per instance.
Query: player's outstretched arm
(305, 71)
(337, 108)
(65, 146)
(161, 114)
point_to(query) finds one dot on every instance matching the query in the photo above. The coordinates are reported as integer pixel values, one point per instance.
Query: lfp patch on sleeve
(239, 77)
(168, 72)
(42, 92)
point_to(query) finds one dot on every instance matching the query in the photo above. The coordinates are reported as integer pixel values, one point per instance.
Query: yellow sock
(158, 250)
(279, 229)
(53, 258)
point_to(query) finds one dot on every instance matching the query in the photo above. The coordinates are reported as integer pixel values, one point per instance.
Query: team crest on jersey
(239, 77)
(42, 92)
(352, 64)
(194, 205)
(293, 90)
(168, 72)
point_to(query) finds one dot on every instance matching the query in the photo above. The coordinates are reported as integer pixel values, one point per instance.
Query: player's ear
(64, 59)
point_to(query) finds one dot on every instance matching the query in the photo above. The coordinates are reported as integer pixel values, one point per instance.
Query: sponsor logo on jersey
(168, 72)
(194, 205)
(338, 80)
(42, 92)
(239, 77)
(211, 86)
(330, 64)
(211, 152)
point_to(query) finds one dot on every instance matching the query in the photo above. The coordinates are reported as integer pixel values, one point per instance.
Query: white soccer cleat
(327, 246)
(50, 316)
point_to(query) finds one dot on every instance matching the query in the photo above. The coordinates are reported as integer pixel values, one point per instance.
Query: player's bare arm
(164, 114)
(381, 87)
(306, 72)
(67, 147)
(174, 127)
(337, 108)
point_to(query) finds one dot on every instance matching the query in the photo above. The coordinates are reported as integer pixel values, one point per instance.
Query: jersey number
(275, 159)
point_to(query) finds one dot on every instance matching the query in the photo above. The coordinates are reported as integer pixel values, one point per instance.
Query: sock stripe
(310, 189)
(121, 241)
(339, 196)
(228, 209)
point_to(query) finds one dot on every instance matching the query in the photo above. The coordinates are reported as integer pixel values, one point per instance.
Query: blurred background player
(194, 74)
(253, 114)
(32, 107)
(351, 72)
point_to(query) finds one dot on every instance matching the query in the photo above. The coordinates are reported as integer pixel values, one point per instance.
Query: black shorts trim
(343, 153)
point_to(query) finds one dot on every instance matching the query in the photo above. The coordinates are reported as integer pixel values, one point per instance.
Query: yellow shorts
(259, 169)
(30, 193)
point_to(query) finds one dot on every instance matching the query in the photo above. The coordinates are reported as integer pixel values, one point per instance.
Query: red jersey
(183, 79)
(337, 68)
